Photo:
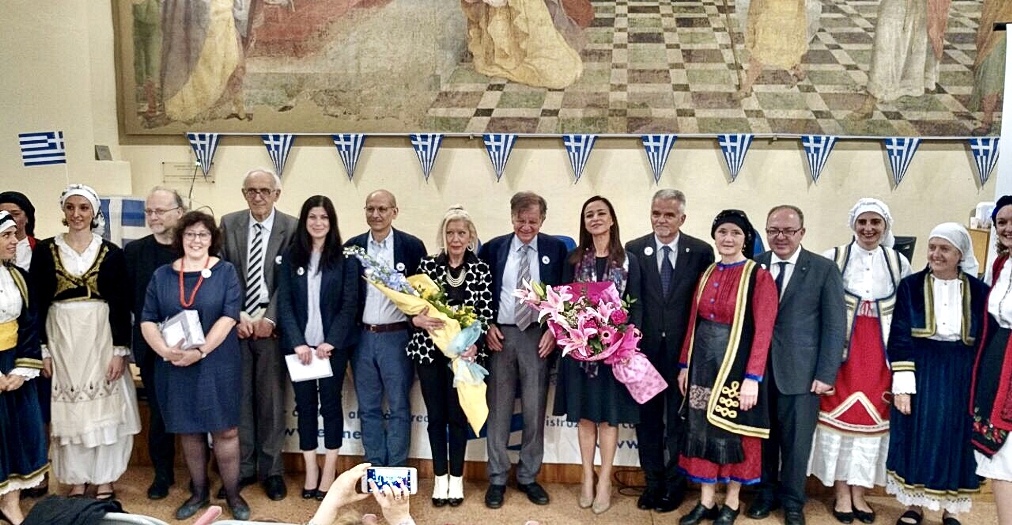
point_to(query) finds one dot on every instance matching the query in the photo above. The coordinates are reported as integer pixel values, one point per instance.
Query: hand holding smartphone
(388, 476)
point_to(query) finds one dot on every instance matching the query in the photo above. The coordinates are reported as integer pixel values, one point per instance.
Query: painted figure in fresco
(908, 48)
(989, 67)
(518, 39)
(203, 62)
(147, 50)
(776, 35)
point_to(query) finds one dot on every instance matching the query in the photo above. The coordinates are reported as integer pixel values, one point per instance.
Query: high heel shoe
(455, 492)
(440, 488)
(599, 506)
(309, 493)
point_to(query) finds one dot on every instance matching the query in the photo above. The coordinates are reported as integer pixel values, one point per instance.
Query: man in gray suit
(804, 358)
(254, 238)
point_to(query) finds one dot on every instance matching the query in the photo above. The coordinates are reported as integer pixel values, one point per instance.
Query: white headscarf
(90, 194)
(6, 221)
(960, 238)
(876, 206)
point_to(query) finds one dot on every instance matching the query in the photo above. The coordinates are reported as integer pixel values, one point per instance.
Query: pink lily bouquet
(590, 322)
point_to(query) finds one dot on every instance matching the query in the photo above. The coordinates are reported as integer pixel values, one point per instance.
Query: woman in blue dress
(938, 318)
(199, 386)
(22, 437)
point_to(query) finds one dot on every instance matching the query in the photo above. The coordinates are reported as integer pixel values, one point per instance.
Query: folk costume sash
(722, 408)
(883, 306)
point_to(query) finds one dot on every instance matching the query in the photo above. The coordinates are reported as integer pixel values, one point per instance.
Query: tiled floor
(562, 511)
(668, 66)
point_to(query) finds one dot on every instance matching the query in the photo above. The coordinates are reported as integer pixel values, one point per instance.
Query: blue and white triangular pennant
(349, 147)
(278, 145)
(578, 147)
(734, 148)
(985, 156)
(426, 147)
(499, 146)
(657, 148)
(817, 149)
(204, 145)
(900, 151)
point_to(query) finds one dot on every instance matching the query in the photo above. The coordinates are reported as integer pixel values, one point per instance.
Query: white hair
(254, 171)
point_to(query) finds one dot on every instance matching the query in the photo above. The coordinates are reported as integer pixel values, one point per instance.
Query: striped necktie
(524, 314)
(254, 277)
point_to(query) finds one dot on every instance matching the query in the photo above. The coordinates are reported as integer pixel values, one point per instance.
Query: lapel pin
(206, 273)
(545, 259)
(300, 271)
(400, 267)
(686, 250)
(648, 251)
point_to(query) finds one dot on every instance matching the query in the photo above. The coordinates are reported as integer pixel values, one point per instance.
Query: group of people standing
(843, 365)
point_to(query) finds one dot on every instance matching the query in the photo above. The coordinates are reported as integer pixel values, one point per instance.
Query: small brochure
(185, 327)
(316, 369)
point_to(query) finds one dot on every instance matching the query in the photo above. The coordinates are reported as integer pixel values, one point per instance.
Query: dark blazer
(496, 251)
(808, 338)
(338, 302)
(408, 250)
(235, 230)
(667, 318)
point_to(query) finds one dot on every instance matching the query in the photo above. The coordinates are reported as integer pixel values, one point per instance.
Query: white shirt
(948, 309)
(791, 261)
(10, 310)
(673, 256)
(314, 321)
(507, 302)
(867, 273)
(999, 304)
(267, 224)
(23, 259)
(78, 263)
(379, 309)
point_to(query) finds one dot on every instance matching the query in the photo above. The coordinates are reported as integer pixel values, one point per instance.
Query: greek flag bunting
(426, 147)
(349, 147)
(278, 145)
(204, 145)
(43, 148)
(499, 146)
(657, 148)
(985, 156)
(734, 148)
(900, 151)
(817, 149)
(578, 147)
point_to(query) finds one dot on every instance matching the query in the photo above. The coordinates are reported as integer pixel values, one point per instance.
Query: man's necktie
(667, 270)
(523, 313)
(254, 277)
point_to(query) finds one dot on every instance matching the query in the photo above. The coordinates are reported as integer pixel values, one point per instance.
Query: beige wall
(59, 74)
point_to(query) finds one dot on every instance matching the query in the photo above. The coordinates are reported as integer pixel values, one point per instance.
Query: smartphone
(383, 476)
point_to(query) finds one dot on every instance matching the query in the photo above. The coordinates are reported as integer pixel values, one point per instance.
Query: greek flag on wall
(985, 156)
(734, 148)
(578, 147)
(817, 149)
(124, 219)
(278, 145)
(204, 145)
(42, 148)
(900, 151)
(657, 148)
(349, 147)
(499, 146)
(426, 147)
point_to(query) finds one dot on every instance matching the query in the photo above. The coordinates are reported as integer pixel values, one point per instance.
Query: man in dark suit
(670, 263)
(520, 346)
(807, 349)
(380, 364)
(254, 238)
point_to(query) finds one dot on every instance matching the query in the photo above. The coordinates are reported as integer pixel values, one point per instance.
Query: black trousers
(322, 397)
(447, 422)
(785, 453)
(655, 437)
(161, 444)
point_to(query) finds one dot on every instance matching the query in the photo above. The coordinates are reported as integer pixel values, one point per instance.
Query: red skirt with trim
(859, 404)
(747, 472)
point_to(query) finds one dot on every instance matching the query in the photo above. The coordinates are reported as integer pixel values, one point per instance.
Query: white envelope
(316, 369)
(185, 327)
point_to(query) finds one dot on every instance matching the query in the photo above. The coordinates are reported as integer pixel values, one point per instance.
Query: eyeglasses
(203, 236)
(786, 232)
(381, 209)
(262, 192)
(158, 213)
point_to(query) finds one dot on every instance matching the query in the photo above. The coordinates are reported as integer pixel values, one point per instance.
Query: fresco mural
(839, 67)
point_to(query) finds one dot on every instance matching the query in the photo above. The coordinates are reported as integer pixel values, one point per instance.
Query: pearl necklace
(456, 281)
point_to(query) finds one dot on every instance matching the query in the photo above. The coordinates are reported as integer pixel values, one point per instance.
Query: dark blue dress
(23, 457)
(202, 397)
